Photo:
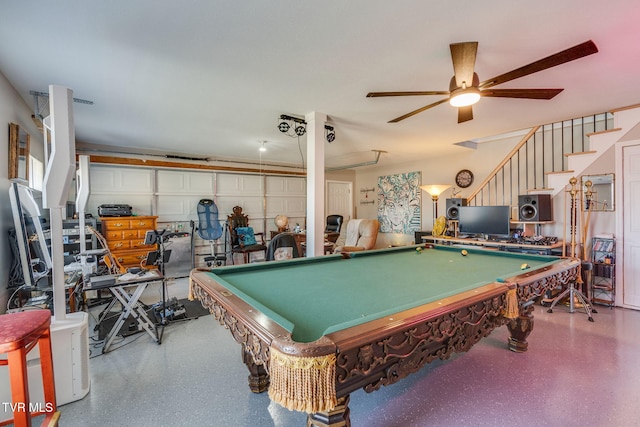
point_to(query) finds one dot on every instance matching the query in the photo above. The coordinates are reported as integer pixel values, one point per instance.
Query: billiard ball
(524, 266)
(419, 250)
(464, 252)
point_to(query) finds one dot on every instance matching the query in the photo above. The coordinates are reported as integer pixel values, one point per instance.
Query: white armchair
(357, 235)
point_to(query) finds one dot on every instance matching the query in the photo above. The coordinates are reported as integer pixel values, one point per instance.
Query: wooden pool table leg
(258, 376)
(338, 417)
(520, 328)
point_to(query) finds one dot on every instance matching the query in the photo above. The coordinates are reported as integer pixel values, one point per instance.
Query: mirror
(597, 192)
(18, 152)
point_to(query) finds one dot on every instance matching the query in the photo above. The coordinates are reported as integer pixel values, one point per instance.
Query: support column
(315, 183)
(57, 180)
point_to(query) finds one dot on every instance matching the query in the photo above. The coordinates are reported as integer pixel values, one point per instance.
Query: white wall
(599, 222)
(436, 170)
(481, 161)
(173, 195)
(13, 109)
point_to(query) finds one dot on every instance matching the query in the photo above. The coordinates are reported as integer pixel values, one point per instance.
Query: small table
(301, 241)
(328, 248)
(371, 319)
(127, 289)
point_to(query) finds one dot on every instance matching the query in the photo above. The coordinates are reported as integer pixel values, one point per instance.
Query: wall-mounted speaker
(453, 205)
(535, 207)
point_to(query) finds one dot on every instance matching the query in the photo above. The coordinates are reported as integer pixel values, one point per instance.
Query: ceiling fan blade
(428, 92)
(419, 110)
(521, 93)
(465, 114)
(463, 56)
(567, 55)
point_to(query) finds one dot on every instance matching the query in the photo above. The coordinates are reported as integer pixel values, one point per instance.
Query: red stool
(19, 333)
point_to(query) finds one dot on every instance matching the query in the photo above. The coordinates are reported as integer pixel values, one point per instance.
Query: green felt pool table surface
(315, 296)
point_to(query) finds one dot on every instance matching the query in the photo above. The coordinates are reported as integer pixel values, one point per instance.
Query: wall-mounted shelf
(366, 192)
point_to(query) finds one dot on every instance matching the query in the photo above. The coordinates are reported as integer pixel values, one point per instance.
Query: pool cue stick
(588, 195)
(580, 221)
(579, 225)
(572, 216)
(564, 229)
(572, 290)
(586, 231)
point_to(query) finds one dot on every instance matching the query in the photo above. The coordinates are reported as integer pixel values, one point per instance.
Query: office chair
(209, 229)
(332, 229)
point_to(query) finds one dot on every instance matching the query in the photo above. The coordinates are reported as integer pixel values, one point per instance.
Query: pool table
(313, 330)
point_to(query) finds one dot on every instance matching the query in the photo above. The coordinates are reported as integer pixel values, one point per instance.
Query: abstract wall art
(399, 202)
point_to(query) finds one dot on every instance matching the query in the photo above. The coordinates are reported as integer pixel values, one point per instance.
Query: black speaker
(535, 207)
(452, 208)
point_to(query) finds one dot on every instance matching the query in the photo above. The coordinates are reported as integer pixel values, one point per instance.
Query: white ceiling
(210, 78)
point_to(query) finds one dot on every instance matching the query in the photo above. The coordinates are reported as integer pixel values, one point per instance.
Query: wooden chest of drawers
(125, 237)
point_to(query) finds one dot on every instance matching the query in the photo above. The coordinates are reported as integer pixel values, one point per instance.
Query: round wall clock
(464, 178)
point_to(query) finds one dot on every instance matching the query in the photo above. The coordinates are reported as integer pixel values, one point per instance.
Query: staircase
(549, 155)
(599, 142)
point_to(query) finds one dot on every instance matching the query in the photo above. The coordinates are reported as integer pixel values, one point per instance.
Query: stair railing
(543, 150)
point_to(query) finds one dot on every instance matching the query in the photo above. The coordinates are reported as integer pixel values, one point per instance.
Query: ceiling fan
(465, 88)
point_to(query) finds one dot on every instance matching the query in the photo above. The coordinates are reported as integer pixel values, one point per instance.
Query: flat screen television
(484, 220)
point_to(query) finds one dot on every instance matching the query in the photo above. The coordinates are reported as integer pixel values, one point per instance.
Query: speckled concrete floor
(575, 373)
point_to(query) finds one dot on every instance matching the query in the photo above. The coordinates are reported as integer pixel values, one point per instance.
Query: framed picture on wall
(399, 201)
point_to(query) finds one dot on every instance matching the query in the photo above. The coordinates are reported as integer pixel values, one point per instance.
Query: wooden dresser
(125, 237)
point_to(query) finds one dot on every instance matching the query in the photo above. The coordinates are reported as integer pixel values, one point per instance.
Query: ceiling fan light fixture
(464, 85)
(464, 97)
